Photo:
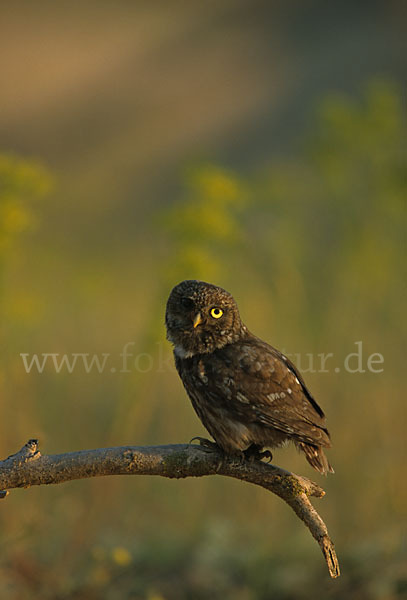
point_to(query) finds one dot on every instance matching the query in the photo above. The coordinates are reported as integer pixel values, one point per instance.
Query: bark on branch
(29, 467)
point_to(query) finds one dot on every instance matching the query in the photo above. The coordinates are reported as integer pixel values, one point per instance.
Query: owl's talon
(204, 443)
(266, 454)
(254, 453)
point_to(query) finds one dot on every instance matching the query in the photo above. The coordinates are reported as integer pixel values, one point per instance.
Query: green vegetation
(22, 184)
(313, 249)
(204, 225)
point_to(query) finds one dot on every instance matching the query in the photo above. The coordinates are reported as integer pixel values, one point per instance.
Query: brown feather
(244, 391)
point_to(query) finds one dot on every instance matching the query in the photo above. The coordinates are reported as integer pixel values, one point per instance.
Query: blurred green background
(256, 145)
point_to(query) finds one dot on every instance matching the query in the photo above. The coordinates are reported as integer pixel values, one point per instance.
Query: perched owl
(248, 395)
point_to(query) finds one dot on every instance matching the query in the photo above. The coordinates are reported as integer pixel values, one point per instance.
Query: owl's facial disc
(201, 318)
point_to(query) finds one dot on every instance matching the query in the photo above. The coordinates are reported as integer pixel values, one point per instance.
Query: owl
(248, 395)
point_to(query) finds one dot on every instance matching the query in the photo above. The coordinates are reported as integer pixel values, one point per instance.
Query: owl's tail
(316, 458)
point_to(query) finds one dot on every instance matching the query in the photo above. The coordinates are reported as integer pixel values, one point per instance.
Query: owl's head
(201, 317)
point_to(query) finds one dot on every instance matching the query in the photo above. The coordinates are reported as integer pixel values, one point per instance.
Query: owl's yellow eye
(216, 313)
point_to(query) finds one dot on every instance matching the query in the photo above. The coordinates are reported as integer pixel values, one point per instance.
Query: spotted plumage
(247, 394)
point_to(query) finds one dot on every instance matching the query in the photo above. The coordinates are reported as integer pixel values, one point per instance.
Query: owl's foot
(254, 452)
(212, 446)
(205, 443)
(266, 454)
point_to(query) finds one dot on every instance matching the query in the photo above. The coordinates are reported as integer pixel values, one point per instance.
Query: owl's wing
(267, 389)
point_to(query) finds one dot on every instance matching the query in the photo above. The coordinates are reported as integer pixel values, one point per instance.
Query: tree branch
(29, 467)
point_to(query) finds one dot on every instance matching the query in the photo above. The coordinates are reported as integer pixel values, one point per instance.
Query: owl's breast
(211, 389)
(208, 374)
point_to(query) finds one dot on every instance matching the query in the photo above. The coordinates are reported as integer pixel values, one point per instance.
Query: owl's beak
(197, 319)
